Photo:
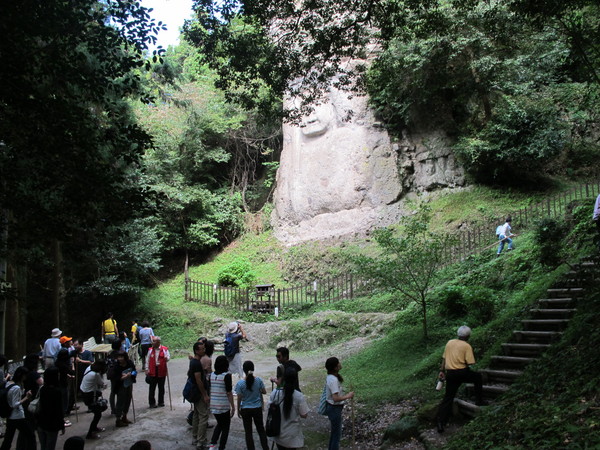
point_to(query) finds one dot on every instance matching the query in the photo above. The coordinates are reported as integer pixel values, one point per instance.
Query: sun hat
(56, 332)
(232, 327)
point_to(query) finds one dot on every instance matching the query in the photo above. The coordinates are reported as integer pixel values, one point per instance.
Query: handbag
(35, 407)
(273, 423)
(100, 404)
(323, 402)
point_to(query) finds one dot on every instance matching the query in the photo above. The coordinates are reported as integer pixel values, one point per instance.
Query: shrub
(237, 273)
(475, 304)
(548, 234)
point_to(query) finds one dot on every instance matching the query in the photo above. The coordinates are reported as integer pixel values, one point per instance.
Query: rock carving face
(332, 171)
(340, 177)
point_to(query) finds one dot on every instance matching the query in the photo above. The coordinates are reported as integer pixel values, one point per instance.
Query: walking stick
(353, 429)
(132, 404)
(169, 387)
(75, 391)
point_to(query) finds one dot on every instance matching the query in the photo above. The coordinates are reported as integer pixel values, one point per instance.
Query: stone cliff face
(339, 177)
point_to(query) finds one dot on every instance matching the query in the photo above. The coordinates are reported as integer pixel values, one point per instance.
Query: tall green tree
(69, 145)
(409, 261)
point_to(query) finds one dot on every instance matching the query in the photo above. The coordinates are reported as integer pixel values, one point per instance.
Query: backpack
(499, 230)
(229, 345)
(5, 408)
(273, 423)
(191, 393)
(323, 402)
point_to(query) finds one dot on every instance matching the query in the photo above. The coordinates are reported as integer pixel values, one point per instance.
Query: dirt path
(167, 429)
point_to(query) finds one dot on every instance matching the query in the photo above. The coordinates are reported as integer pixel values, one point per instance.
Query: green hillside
(489, 294)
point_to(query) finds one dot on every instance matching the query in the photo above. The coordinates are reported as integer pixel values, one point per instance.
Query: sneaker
(68, 423)
(161, 405)
(92, 436)
(120, 423)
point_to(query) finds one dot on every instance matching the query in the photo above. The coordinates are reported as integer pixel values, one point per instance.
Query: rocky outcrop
(340, 177)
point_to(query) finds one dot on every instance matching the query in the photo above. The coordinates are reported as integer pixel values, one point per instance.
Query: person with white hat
(235, 333)
(51, 348)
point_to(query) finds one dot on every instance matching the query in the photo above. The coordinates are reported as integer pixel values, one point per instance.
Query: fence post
(279, 300)
(215, 299)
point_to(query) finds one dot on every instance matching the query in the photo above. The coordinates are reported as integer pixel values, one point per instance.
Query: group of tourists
(41, 401)
(216, 392)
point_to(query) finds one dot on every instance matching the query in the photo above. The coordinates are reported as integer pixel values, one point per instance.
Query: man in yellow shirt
(458, 356)
(110, 332)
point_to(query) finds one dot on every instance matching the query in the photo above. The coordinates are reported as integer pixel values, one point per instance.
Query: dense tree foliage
(500, 77)
(69, 145)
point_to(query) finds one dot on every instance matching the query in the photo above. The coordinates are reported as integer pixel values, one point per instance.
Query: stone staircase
(545, 324)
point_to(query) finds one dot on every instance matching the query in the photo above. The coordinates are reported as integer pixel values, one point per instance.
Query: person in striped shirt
(221, 402)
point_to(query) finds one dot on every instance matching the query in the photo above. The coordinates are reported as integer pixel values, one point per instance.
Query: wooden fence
(482, 237)
(347, 286)
(249, 299)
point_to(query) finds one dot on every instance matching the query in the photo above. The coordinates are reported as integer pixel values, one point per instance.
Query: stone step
(517, 349)
(561, 292)
(544, 324)
(466, 408)
(500, 376)
(557, 303)
(552, 312)
(489, 390)
(510, 362)
(533, 337)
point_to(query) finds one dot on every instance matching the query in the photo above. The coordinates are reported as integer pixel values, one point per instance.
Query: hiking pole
(353, 421)
(169, 387)
(75, 406)
(132, 404)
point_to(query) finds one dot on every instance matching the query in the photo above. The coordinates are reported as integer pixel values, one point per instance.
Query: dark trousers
(145, 348)
(454, 378)
(256, 415)
(26, 439)
(88, 399)
(160, 382)
(124, 395)
(221, 429)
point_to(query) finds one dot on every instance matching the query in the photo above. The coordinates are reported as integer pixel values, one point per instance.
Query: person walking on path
(200, 419)
(221, 402)
(250, 405)
(124, 375)
(293, 406)
(235, 333)
(91, 387)
(457, 357)
(283, 357)
(596, 219)
(158, 357)
(50, 419)
(504, 233)
(16, 397)
(145, 334)
(51, 348)
(336, 400)
(110, 331)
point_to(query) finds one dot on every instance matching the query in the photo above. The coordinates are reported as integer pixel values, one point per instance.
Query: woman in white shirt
(92, 386)
(293, 406)
(335, 401)
(16, 421)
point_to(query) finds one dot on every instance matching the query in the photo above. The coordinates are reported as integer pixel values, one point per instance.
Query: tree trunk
(58, 291)
(424, 309)
(15, 315)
